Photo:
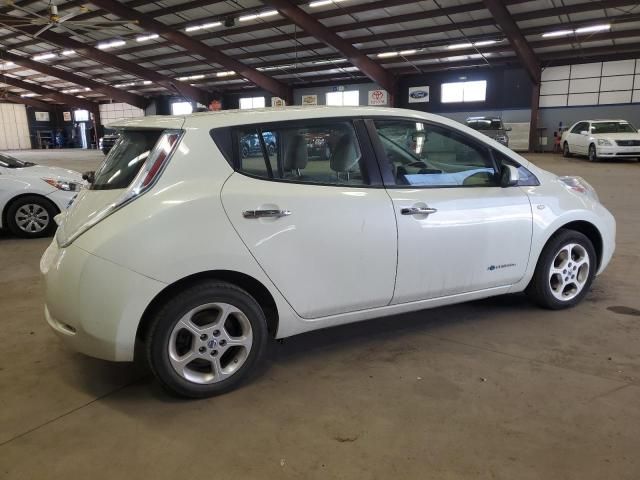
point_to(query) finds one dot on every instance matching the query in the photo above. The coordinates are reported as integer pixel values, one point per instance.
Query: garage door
(14, 128)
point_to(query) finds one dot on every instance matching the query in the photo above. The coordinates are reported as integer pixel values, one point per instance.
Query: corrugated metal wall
(14, 128)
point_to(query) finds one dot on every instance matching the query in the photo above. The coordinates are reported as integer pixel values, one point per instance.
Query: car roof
(603, 120)
(225, 118)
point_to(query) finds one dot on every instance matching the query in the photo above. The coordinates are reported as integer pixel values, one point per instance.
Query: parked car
(492, 127)
(31, 195)
(250, 144)
(107, 142)
(601, 139)
(201, 254)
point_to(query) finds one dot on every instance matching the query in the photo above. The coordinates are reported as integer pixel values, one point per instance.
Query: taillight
(163, 149)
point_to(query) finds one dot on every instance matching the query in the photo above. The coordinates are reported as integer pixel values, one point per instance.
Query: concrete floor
(485, 390)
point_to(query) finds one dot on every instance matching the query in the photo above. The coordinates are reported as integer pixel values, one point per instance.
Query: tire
(566, 153)
(211, 361)
(31, 216)
(593, 155)
(559, 281)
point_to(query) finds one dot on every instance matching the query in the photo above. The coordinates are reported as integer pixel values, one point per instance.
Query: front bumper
(94, 305)
(618, 152)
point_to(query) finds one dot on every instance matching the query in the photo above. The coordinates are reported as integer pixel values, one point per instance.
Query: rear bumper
(92, 304)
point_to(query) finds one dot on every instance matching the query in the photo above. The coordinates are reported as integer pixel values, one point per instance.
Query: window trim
(370, 162)
(389, 179)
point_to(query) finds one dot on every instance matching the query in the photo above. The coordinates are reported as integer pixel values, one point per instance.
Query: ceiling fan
(52, 19)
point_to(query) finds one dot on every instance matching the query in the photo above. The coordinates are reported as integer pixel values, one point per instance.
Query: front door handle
(418, 210)
(269, 213)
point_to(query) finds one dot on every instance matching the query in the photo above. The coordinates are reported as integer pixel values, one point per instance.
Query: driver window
(426, 155)
(579, 127)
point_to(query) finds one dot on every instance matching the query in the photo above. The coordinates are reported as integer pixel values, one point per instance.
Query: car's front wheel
(565, 270)
(565, 150)
(31, 216)
(593, 154)
(206, 340)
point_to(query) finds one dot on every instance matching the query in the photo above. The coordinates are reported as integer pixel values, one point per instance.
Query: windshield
(485, 123)
(11, 162)
(612, 127)
(124, 160)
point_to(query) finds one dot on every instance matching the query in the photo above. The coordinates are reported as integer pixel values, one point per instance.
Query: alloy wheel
(569, 271)
(32, 218)
(210, 343)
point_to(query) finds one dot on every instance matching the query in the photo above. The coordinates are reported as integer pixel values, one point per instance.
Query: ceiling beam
(194, 46)
(316, 29)
(516, 39)
(95, 54)
(53, 94)
(112, 92)
(31, 102)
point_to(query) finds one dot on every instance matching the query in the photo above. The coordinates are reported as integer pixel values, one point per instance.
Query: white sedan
(31, 195)
(601, 139)
(201, 253)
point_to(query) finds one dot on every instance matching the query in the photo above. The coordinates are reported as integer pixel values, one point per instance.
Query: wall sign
(42, 116)
(418, 94)
(277, 102)
(66, 116)
(309, 100)
(378, 97)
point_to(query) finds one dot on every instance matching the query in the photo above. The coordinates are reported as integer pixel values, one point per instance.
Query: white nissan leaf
(31, 195)
(199, 251)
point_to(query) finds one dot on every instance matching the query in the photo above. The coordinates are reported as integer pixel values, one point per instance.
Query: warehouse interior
(494, 388)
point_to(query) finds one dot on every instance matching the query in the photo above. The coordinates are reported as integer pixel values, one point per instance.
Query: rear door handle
(418, 210)
(266, 213)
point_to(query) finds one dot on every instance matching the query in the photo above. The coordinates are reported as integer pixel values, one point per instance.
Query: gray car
(492, 127)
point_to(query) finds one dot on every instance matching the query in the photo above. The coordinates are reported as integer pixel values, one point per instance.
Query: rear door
(577, 141)
(311, 209)
(458, 230)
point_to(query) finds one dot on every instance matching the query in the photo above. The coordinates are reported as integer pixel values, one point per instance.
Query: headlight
(580, 185)
(604, 142)
(63, 185)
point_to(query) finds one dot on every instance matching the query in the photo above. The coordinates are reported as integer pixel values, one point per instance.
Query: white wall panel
(586, 70)
(582, 99)
(623, 82)
(14, 127)
(110, 112)
(621, 67)
(556, 73)
(584, 85)
(636, 83)
(556, 87)
(636, 96)
(553, 101)
(615, 97)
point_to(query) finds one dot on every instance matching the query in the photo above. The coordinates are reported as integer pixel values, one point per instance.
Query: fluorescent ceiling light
(459, 45)
(457, 57)
(190, 77)
(145, 38)
(558, 33)
(407, 52)
(225, 74)
(8, 65)
(387, 54)
(44, 56)
(321, 3)
(71, 90)
(111, 44)
(329, 62)
(204, 26)
(122, 85)
(28, 95)
(484, 42)
(147, 82)
(66, 53)
(594, 28)
(268, 13)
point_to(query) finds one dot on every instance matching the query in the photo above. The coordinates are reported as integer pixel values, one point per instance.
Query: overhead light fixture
(329, 62)
(594, 28)
(147, 82)
(146, 38)
(322, 3)
(408, 52)
(268, 13)
(483, 43)
(43, 56)
(204, 26)
(71, 90)
(8, 65)
(190, 77)
(66, 53)
(558, 33)
(457, 58)
(123, 85)
(111, 44)
(28, 95)
(225, 74)
(387, 54)
(459, 45)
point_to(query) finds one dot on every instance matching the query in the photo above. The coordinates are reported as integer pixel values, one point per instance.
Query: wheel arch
(252, 286)
(7, 205)
(589, 230)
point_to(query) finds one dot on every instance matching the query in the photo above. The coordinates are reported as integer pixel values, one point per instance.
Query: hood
(42, 171)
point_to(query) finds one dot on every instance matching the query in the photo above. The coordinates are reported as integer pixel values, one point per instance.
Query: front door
(458, 231)
(306, 207)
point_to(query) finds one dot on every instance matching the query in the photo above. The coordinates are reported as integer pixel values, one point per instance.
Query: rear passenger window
(324, 153)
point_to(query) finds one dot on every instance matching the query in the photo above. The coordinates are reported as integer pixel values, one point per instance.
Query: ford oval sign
(418, 94)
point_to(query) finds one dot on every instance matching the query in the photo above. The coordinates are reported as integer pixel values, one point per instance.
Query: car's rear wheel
(31, 216)
(206, 340)
(565, 150)
(565, 271)
(593, 155)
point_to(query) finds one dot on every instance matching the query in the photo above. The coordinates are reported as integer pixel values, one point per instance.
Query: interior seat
(345, 156)
(296, 155)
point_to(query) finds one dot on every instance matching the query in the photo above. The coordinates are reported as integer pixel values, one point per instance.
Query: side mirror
(89, 176)
(509, 176)
(584, 132)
